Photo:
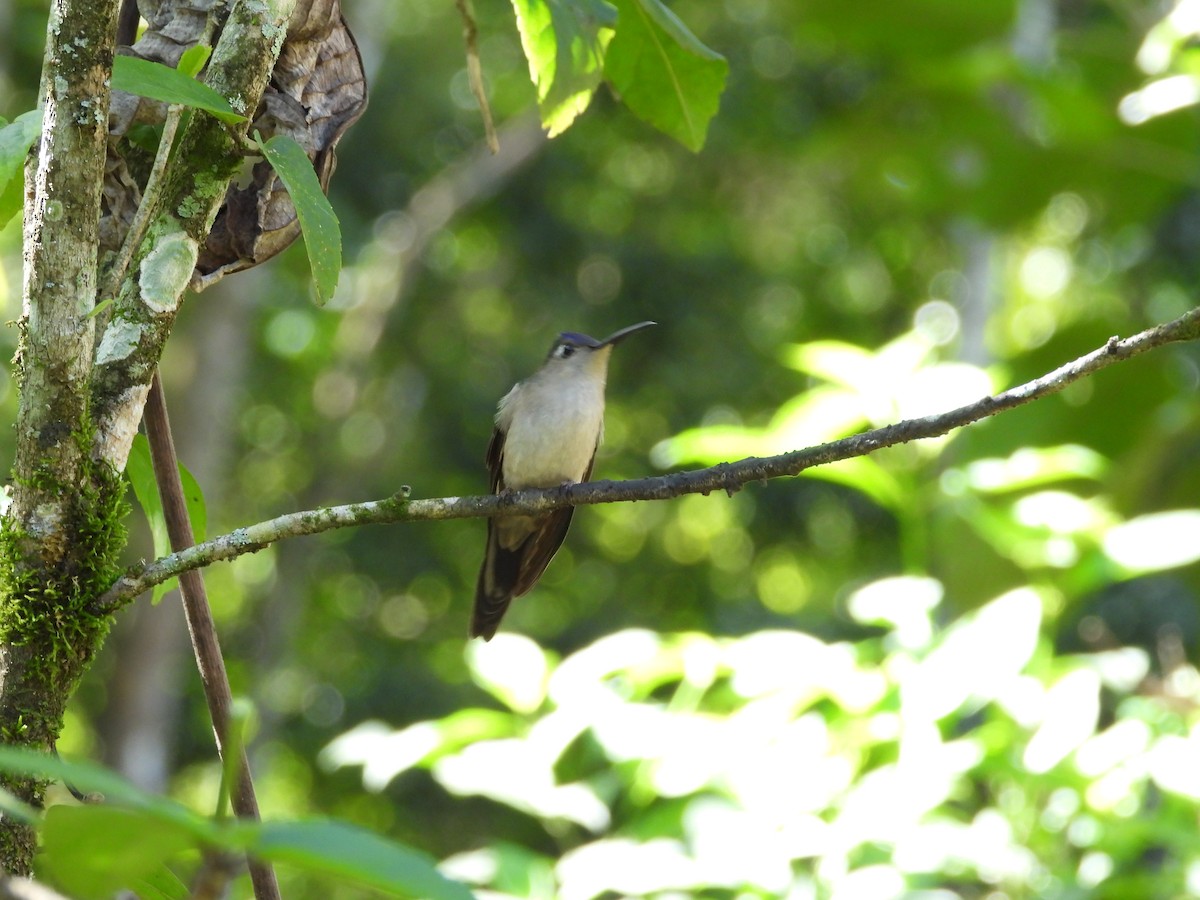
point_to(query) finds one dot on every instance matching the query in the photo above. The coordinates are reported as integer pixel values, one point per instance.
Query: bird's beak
(618, 336)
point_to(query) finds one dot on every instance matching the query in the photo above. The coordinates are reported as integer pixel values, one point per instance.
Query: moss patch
(49, 610)
(48, 631)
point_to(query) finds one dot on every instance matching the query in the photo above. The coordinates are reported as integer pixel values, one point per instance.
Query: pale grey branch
(728, 477)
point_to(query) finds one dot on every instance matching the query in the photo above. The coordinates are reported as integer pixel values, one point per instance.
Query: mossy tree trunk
(62, 533)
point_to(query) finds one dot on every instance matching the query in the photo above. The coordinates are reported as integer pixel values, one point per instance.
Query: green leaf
(99, 848)
(159, 82)
(139, 469)
(94, 779)
(145, 136)
(93, 851)
(663, 73)
(564, 42)
(161, 885)
(343, 851)
(1034, 467)
(16, 137)
(17, 809)
(864, 474)
(193, 59)
(193, 497)
(318, 222)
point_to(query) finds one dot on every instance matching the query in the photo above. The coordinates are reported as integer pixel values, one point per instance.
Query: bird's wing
(539, 548)
(500, 568)
(510, 572)
(495, 461)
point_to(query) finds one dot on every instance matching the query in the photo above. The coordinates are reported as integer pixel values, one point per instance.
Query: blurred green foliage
(964, 667)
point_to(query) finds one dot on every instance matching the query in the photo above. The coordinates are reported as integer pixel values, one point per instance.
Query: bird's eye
(565, 350)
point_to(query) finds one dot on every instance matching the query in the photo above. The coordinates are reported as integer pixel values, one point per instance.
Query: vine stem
(201, 627)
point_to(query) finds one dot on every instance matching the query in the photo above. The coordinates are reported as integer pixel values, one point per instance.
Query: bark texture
(83, 385)
(57, 541)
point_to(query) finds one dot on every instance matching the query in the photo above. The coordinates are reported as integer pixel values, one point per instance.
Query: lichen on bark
(49, 628)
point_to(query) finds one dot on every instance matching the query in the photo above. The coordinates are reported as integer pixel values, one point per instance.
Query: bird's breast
(551, 435)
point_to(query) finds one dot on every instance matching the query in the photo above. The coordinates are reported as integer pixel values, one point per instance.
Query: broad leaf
(93, 779)
(564, 42)
(162, 884)
(345, 852)
(663, 73)
(318, 222)
(192, 60)
(139, 469)
(16, 137)
(159, 82)
(95, 850)
(193, 497)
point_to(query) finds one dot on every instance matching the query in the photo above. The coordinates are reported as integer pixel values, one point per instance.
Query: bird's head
(573, 351)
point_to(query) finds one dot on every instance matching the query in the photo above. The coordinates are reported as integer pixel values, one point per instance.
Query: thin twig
(201, 627)
(729, 477)
(475, 72)
(145, 211)
(150, 196)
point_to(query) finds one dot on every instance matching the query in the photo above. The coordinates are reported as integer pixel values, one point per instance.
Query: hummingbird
(547, 430)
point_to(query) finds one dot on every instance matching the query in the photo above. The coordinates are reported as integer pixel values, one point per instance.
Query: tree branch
(202, 628)
(47, 566)
(729, 477)
(147, 301)
(61, 240)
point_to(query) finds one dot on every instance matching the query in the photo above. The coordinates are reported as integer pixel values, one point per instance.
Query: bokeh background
(961, 668)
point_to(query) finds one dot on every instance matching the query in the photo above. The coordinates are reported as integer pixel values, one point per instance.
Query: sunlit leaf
(627, 868)
(16, 137)
(819, 415)
(717, 442)
(862, 473)
(512, 668)
(1071, 711)
(905, 604)
(1031, 467)
(192, 60)
(159, 82)
(318, 221)
(1172, 764)
(385, 752)
(1155, 541)
(511, 869)
(977, 658)
(564, 43)
(529, 784)
(835, 361)
(663, 73)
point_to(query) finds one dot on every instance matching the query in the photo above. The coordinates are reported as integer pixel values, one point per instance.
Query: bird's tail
(495, 589)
